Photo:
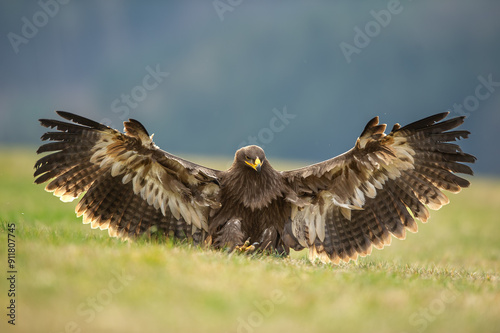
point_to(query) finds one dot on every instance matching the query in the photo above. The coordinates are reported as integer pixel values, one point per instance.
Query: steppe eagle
(337, 208)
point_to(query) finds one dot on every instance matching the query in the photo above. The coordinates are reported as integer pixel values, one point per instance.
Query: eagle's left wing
(358, 199)
(130, 185)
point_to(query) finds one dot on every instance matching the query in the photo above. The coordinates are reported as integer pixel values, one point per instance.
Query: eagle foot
(246, 247)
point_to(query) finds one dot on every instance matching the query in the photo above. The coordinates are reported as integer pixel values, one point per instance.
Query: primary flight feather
(337, 209)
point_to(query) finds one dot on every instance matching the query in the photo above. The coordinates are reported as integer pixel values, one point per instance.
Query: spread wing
(131, 185)
(358, 199)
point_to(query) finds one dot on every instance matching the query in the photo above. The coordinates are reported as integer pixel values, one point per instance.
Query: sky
(299, 78)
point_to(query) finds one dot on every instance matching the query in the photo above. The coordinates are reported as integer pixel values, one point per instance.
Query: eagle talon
(246, 247)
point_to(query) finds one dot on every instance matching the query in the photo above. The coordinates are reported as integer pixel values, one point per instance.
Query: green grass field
(70, 278)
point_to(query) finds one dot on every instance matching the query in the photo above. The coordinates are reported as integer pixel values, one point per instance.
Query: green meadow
(70, 278)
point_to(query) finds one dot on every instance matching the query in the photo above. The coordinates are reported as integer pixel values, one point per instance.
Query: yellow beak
(257, 166)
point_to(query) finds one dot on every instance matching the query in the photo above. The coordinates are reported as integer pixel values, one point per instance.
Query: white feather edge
(162, 200)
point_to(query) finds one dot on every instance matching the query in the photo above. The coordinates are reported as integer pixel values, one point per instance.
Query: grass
(70, 278)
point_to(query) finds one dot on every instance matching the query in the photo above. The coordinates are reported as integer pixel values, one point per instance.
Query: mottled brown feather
(339, 208)
(407, 168)
(89, 157)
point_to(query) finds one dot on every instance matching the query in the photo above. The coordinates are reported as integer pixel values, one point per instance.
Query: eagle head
(250, 156)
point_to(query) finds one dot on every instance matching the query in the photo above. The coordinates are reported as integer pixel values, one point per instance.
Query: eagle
(338, 209)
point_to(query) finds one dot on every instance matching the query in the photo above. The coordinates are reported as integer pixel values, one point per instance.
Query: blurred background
(300, 79)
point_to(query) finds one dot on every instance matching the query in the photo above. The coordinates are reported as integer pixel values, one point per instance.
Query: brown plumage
(338, 208)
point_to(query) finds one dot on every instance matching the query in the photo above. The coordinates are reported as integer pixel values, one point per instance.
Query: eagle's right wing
(131, 185)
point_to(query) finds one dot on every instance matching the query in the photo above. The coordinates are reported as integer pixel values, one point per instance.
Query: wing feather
(130, 185)
(379, 187)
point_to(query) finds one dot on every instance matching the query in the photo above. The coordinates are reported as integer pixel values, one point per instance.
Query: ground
(70, 278)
